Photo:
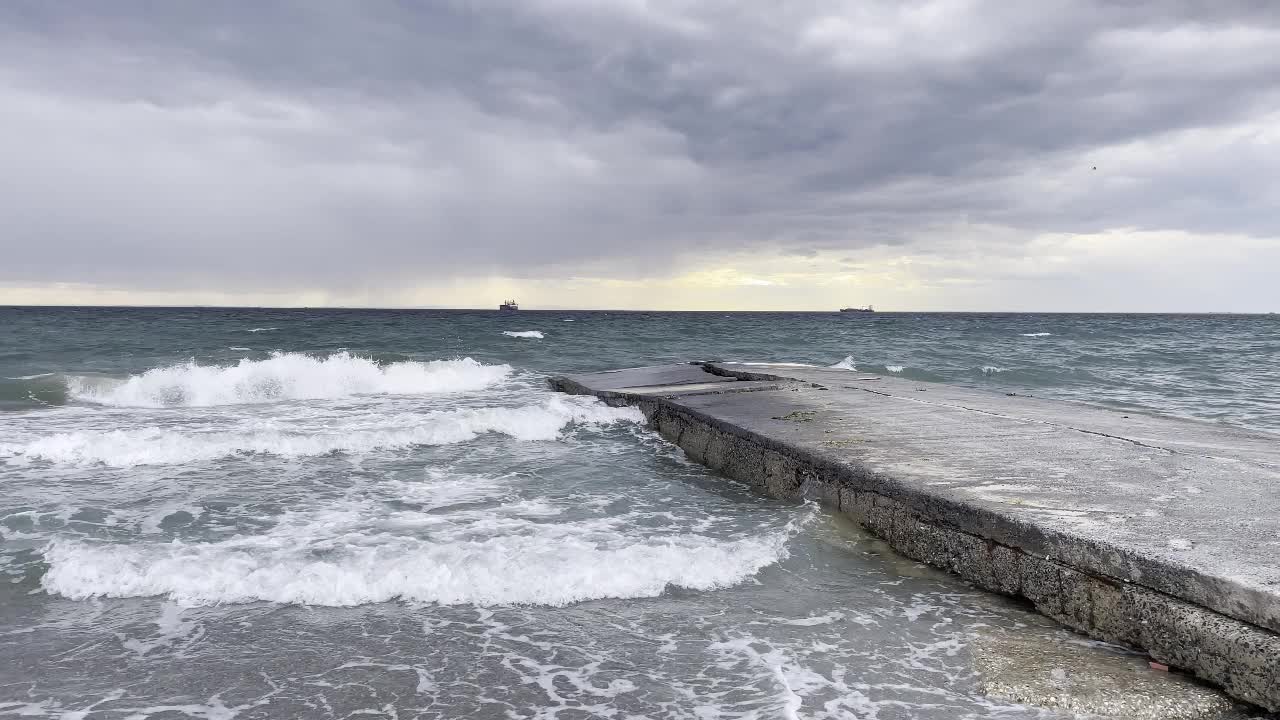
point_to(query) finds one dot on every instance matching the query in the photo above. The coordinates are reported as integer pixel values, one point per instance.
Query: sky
(1061, 155)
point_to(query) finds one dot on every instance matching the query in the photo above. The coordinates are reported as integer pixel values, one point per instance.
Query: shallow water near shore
(269, 513)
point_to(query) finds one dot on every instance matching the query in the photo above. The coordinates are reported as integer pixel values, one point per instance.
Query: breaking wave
(846, 364)
(283, 376)
(163, 446)
(1039, 334)
(531, 564)
(535, 334)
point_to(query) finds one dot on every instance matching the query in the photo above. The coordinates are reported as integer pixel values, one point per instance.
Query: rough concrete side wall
(1242, 659)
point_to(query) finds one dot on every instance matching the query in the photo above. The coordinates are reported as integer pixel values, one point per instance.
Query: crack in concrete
(746, 375)
(1048, 423)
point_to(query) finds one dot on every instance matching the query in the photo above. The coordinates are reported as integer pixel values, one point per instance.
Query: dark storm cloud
(317, 144)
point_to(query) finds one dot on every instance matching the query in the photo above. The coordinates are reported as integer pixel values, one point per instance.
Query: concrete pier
(1155, 533)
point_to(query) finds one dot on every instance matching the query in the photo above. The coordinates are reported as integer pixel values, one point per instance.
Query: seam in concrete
(715, 391)
(1021, 418)
(747, 375)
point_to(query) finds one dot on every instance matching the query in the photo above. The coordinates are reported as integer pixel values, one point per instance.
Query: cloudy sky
(792, 154)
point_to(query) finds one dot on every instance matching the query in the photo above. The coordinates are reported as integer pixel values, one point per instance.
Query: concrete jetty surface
(1156, 533)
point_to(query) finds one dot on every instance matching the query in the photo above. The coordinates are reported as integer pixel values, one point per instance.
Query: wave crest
(162, 446)
(284, 376)
(846, 364)
(535, 334)
(538, 568)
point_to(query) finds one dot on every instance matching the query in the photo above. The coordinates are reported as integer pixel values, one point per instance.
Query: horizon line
(422, 308)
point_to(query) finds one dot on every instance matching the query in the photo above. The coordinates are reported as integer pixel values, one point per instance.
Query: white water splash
(315, 559)
(355, 435)
(846, 364)
(284, 376)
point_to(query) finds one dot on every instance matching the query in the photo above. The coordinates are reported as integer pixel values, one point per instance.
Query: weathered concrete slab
(656, 376)
(1026, 669)
(1158, 533)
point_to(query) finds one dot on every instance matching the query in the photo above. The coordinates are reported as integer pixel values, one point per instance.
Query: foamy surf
(284, 376)
(297, 438)
(530, 334)
(534, 568)
(1036, 334)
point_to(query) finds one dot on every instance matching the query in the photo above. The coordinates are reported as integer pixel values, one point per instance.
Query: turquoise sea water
(303, 513)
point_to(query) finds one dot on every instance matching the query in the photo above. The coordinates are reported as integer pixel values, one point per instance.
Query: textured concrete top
(1186, 508)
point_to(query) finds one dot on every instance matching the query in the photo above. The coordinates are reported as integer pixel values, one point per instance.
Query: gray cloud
(325, 144)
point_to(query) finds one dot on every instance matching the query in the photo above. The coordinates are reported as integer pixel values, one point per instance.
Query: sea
(262, 513)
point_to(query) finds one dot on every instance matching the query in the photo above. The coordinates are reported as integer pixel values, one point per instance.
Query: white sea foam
(535, 334)
(895, 368)
(440, 489)
(1040, 334)
(284, 376)
(258, 330)
(171, 630)
(540, 564)
(846, 364)
(154, 522)
(37, 376)
(788, 678)
(164, 446)
(825, 619)
(237, 347)
(992, 370)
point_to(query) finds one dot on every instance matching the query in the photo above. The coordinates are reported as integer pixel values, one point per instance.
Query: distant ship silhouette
(509, 306)
(867, 309)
